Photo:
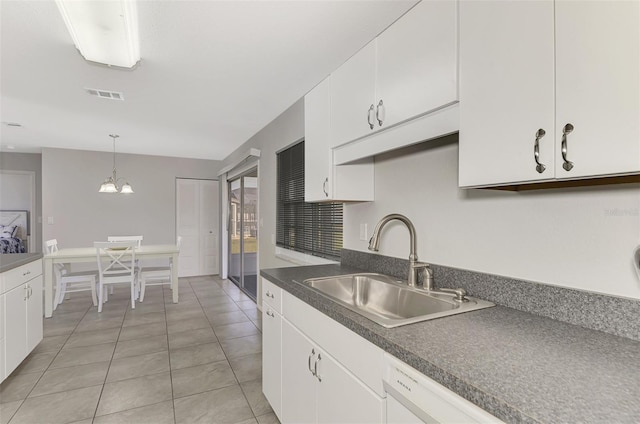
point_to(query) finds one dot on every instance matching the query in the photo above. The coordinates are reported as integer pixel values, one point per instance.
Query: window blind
(313, 228)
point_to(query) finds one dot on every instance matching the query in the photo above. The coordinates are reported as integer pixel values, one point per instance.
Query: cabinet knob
(536, 151)
(369, 116)
(380, 112)
(567, 165)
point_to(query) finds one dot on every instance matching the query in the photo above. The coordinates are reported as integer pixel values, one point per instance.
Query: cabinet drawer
(20, 275)
(272, 295)
(361, 357)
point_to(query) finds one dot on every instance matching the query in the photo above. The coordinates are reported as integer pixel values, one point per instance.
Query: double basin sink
(390, 302)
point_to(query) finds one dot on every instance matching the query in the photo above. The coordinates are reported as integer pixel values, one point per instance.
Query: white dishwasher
(413, 398)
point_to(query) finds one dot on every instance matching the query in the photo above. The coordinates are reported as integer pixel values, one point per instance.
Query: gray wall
(81, 215)
(581, 238)
(10, 161)
(280, 133)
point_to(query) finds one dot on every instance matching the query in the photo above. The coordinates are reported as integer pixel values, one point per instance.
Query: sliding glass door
(243, 232)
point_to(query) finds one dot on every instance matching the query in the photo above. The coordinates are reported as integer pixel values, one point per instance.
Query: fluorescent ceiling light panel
(104, 31)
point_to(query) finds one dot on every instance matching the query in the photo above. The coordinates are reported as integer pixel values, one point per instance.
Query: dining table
(88, 254)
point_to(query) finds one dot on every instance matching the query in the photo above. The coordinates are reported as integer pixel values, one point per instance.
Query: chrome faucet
(414, 265)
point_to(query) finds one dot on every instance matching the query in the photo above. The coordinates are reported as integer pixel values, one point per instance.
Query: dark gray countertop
(518, 366)
(14, 260)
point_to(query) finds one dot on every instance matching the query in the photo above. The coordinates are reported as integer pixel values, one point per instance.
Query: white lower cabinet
(21, 313)
(317, 389)
(272, 345)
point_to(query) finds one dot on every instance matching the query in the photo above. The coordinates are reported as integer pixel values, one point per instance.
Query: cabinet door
(352, 96)
(598, 86)
(34, 313)
(271, 358)
(15, 308)
(298, 383)
(342, 398)
(317, 152)
(506, 91)
(417, 65)
(2, 321)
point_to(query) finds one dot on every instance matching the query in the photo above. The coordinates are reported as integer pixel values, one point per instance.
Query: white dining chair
(116, 261)
(70, 282)
(156, 276)
(137, 239)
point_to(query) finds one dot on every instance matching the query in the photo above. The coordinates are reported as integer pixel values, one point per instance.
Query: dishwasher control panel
(426, 399)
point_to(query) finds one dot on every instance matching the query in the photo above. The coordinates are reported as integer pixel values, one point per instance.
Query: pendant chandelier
(110, 185)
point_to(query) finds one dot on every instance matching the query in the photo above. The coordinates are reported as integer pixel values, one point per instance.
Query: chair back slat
(119, 257)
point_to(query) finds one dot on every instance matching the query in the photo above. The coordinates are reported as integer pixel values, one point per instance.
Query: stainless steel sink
(390, 302)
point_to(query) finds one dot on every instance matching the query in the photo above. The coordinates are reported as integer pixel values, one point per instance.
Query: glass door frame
(239, 280)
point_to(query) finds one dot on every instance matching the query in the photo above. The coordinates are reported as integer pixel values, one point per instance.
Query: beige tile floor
(197, 361)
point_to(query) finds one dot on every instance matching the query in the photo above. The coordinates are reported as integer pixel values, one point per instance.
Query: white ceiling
(212, 73)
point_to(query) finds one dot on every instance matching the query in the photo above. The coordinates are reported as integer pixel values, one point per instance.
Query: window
(313, 228)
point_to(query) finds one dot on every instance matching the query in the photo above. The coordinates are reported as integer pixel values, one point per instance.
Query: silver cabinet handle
(271, 314)
(315, 368)
(26, 292)
(269, 294)
(567, 165)
(536, 151)
(30, 291)
(324, 187)
(371, 108)
(24, 274)
(313, 352)
(380, 113)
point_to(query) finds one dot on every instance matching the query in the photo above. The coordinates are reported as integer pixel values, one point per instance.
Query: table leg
(48, 288)
(174, 277)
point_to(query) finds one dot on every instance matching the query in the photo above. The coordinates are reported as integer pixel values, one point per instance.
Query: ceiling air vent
(105, 94)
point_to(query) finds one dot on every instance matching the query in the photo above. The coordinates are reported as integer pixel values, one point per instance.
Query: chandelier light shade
(104, 31)
(110, 185)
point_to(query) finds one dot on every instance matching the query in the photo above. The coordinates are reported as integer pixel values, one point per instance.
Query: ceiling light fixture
(103, 31)
(110, 185)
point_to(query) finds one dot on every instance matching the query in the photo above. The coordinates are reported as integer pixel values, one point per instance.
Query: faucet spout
(414, 266)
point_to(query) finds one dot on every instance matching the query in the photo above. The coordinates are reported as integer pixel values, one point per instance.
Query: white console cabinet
(21, 311)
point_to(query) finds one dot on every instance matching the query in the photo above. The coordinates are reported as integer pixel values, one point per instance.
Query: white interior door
(209, 218)
(197, 223)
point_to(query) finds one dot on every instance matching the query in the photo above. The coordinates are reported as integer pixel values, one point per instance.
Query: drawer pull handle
(315, 368)
(271, 314)
(26, 273)
(313, 352)
(324, 187)
(369, 120)
(380, 113)
(567, 165)
(269, 294)
(536, 151)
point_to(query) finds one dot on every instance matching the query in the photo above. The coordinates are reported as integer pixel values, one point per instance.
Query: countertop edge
(15, 260)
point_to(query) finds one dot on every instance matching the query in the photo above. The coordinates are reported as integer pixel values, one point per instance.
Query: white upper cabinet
(417, 63)
(506, 91)
(324, 182)
(353, 97)
(598, 87)
(548, 90)
(407, 71)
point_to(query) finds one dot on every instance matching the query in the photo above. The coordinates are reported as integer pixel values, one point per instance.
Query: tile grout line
(109, 367)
